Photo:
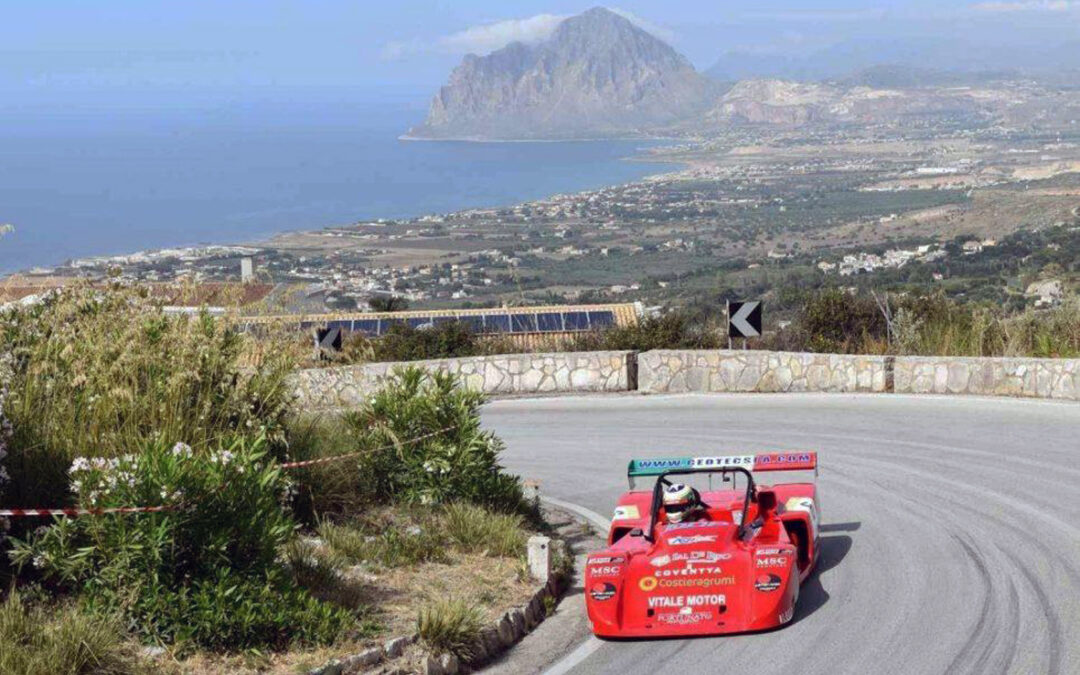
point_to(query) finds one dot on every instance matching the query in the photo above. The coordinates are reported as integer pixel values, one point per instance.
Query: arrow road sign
(328, 339)
(744, 319)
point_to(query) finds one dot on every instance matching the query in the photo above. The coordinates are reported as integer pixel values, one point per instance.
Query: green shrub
(94, 373)
(475, 529)
(835, 321)
(674, 330)
(458, 463)
(402, 342)
(230, 612)
(450, 626)
(224, 537)
(35, 640)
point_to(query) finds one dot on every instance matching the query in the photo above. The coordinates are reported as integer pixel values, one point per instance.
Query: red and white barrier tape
(24, 513)
(325, 460)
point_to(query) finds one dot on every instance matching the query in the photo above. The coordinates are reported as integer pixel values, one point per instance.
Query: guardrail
(685, 371)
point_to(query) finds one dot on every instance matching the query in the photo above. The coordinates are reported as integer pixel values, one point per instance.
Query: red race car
(686, 562)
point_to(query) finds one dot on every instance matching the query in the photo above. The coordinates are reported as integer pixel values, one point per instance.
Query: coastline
(266, 241)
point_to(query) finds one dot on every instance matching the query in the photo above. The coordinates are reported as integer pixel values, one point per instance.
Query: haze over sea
(115, 174)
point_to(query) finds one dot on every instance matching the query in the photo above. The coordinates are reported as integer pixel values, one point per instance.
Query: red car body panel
(706, 577)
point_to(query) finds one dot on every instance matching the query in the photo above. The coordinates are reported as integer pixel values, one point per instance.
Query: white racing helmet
(679, 500)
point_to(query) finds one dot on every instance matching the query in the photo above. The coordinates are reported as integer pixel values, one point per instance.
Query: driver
(682, 504)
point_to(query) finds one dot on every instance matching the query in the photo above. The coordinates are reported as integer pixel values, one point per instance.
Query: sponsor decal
(688, 601)
(706, 582)
(688, 571)
(662, 463)
(688, 526)
(695, 539)
(772, 561)
(647, 584)
(807, 505)
(690, 558)
(684, 617)
(783, 458)
(744, 461)
(770, 551)
(626, 512)
(602, 591)
(607, 560)
(736, 516)
(605, 571)
(767, 582)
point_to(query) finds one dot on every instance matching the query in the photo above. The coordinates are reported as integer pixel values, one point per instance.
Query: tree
(389, 303)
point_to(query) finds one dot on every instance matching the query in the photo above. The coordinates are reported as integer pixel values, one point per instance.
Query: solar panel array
(490, 323)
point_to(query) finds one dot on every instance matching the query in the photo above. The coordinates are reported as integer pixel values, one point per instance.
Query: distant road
(951, 526)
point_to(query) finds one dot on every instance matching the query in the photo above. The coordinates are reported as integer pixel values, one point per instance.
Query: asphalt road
(951, 526)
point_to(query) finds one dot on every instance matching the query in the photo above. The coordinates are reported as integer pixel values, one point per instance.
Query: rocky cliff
(598, 75)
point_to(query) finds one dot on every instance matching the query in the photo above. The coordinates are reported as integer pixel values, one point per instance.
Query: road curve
(951, 526)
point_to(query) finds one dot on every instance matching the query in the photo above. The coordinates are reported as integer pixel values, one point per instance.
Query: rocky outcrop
(597, 75)
(677, 371)
(349, 386)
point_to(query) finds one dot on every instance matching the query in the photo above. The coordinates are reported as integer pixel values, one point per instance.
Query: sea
(110, 174)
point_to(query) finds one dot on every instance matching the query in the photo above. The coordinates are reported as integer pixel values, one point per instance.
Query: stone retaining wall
(344, 387)
(672, 371)
(677, 371)
(1038, 378)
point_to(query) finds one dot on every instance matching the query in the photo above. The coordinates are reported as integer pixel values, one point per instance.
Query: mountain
(963, 59)
(598, 75)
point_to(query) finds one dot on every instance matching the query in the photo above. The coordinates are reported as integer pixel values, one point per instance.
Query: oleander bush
(457, 461)
(114, 403)
(204, 572)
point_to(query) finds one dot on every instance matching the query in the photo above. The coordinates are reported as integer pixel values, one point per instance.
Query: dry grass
(41, 641)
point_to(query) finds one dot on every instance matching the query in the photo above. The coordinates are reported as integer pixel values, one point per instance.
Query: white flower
(181, 450)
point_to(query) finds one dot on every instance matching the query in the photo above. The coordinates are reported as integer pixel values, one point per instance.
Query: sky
(51, 48)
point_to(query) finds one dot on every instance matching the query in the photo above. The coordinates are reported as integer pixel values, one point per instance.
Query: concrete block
(539, 554)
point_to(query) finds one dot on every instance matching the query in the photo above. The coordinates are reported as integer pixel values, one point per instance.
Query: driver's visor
(677, 508)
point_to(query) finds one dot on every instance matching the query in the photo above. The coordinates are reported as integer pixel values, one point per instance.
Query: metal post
(727, 305)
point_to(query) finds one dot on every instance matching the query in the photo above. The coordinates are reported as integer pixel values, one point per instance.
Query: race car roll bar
(661, 481)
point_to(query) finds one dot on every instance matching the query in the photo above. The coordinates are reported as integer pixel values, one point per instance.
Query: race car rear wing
(768, 461)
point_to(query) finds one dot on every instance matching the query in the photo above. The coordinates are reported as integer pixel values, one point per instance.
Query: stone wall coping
(756, 352)
(910, 358)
